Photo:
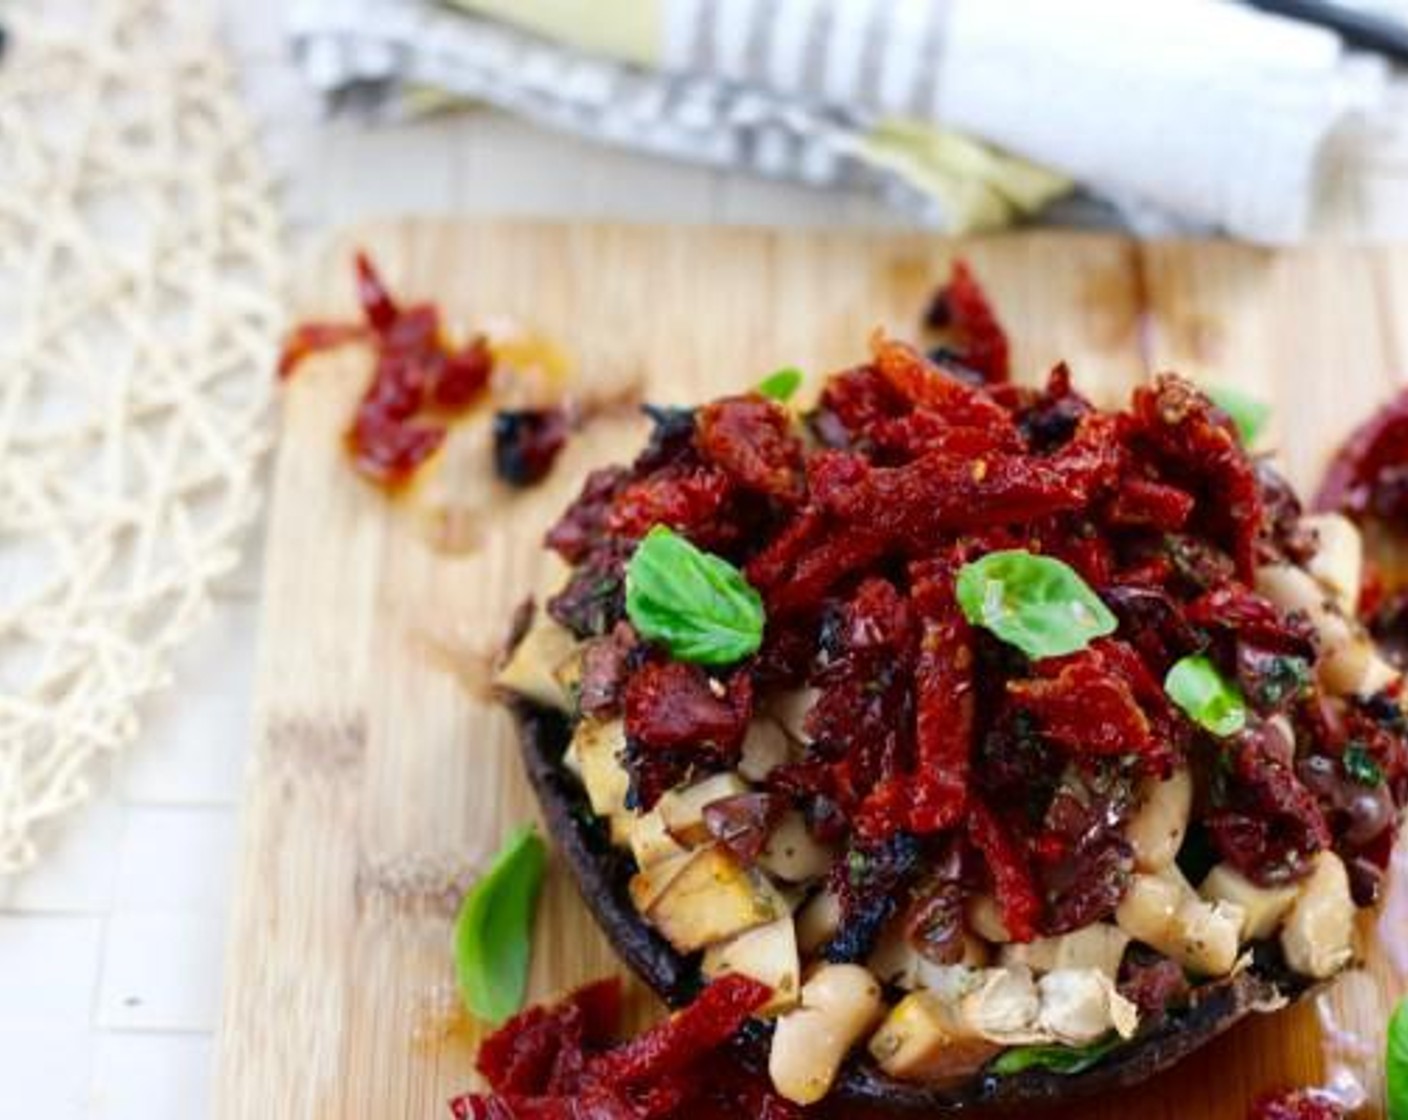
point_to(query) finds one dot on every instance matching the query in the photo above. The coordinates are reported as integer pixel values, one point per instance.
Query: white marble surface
(110, 952)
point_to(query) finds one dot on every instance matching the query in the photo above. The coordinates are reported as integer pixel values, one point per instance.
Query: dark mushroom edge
(602, 872)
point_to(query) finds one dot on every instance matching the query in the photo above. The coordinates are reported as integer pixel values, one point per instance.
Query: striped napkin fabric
(969, 114)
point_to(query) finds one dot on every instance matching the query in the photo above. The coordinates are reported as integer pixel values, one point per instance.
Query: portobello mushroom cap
(602, 873)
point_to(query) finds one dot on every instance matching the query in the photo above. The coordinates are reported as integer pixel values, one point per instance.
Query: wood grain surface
(383, 776)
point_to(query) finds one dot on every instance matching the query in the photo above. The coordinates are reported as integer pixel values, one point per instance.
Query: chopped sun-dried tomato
(1265, 822)
(690, 500)
(1094, 701)
(750, 438)
(679, 718)
(1196, 445)
(962, 307)
(308, 339)
(557, 1063)
(419, 385)
(921, 384)
(1369, 473)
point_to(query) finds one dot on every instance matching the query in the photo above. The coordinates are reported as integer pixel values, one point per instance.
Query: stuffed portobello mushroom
(1017, 746)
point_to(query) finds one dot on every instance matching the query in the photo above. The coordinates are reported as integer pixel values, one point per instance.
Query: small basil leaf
(781, 385)
(697, 605)
(1396, 1063)
(1248, 414)
(1058, 1059)
(1206, 697)
(1035, 603)
(494, 929)
(1360, 765)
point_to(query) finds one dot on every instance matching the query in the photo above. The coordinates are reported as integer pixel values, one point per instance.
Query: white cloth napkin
(1189, 113)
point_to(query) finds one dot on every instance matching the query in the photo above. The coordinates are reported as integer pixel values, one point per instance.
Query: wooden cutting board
(382, 775)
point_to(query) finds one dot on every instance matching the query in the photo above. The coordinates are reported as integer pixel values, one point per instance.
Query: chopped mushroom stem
(709, 898)
(792, 854)
(596, 748)
(682, 810)
(532, 667)
(926, 1039)
(768, 954)
(765, 748)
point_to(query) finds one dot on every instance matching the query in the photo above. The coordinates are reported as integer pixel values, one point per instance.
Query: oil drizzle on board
(471, 664)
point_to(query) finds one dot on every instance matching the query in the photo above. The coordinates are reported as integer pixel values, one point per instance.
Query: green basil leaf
(494, 929)
(695, 604)
(1248, 413)
(1360, 765)
(781, 385)
(1058, 1059)
(1206, 697)
(1396, 1063)
(1035, 603)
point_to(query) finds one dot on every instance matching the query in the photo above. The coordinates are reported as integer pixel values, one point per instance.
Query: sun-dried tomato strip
(378, 306)
(933, 796)
(750, 439)
(939, 494)
(925, 385)
(962, 306)
(556, 1063)
(308, 339)
(1013, 886)
(706, 1024)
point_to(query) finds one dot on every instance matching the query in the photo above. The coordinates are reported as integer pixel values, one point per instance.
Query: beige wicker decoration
(139, 281)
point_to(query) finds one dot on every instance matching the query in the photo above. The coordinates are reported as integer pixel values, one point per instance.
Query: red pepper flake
(421, 382)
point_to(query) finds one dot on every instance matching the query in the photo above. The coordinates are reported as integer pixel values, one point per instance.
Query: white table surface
(110, 951)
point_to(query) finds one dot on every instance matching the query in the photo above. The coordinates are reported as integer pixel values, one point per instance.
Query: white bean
(840, 1003)
(1157, 828)
(1318, 937)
